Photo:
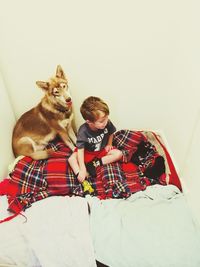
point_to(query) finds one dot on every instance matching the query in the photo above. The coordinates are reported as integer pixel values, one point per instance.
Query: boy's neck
(92, 127)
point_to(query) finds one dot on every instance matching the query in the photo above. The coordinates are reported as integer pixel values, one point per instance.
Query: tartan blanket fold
(31, 181)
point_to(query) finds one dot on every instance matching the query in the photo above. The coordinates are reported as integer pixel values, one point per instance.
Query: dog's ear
(60, 73)
(43, 85)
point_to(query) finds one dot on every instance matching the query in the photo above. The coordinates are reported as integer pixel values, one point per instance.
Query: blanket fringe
(12, 217)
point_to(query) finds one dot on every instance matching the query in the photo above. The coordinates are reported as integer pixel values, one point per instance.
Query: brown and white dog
(52, 116)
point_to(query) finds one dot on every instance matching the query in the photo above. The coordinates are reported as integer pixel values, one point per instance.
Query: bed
(133, 220)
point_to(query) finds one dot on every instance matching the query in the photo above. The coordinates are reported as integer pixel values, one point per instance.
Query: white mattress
(152, 228)
(56, 233)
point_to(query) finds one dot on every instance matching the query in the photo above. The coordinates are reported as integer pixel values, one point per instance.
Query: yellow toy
(87, 188)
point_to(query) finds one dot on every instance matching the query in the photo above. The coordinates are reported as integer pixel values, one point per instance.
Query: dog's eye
(63, 85)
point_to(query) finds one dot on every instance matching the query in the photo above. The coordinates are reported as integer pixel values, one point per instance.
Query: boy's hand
(82, 175)
(108, 148)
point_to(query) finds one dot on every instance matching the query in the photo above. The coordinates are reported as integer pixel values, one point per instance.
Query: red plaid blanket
(32, 180)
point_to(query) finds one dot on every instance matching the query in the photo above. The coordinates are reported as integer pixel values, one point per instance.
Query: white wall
(7, 121)
(190, 172)
(142, 57)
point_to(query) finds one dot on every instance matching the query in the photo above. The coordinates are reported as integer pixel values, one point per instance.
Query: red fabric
(134, 182)
(90, 155)
(127, 141)
(35, 180)
(111, 182)
(11, 217)
(129, 167)
(4, 187)
(174, 178)
(7, 187)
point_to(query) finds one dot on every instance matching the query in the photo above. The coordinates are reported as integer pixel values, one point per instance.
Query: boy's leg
(73, 162)
(112, 156)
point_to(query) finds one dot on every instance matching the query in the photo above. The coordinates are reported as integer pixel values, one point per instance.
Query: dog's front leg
(65, 137)
(72, 135)
(62, 132)
(70, 130)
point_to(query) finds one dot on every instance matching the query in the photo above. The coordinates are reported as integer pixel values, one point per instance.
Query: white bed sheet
(153, 228)
(56, 233)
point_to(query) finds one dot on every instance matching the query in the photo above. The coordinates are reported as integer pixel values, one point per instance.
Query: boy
(94, 139)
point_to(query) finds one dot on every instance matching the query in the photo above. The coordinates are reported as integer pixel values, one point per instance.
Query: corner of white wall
(7, 122)
(191, 172)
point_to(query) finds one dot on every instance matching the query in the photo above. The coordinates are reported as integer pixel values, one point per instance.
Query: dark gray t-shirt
(94, 140)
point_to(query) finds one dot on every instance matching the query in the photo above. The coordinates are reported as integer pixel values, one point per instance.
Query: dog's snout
(68, 99)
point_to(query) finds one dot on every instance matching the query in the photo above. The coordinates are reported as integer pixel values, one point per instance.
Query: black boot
(92, 165)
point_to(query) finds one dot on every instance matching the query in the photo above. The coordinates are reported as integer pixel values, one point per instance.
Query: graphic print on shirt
(94, 140)
(97, 140)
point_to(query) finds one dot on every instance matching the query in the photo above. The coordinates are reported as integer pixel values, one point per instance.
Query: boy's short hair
(91, 106)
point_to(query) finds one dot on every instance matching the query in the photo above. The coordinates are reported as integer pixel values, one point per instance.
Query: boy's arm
(110, 140)
(82, 171)
(109, 145)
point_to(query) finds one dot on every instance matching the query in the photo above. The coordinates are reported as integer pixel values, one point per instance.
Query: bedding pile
(152, 228)
(31, 180)
(56, 233)
(139, 216)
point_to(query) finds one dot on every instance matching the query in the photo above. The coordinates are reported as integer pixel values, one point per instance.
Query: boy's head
(93, 107)
(95, 112)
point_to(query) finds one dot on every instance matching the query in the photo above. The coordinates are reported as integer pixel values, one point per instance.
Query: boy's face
(100, 123)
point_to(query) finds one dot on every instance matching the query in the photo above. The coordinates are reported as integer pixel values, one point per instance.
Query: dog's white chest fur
(66, 122)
